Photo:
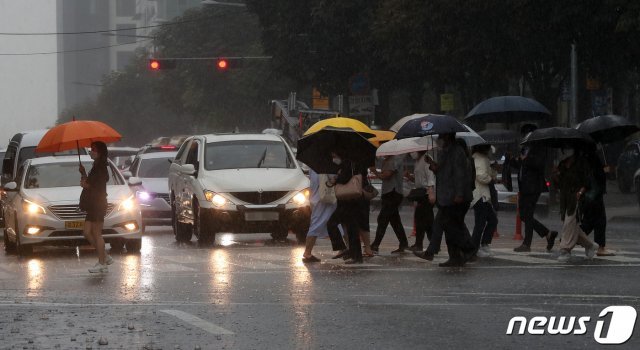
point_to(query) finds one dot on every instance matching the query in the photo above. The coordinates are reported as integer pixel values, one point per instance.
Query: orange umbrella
(381, 137)
(76, 134)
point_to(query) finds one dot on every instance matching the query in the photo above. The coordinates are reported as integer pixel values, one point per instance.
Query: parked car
(628, 165)
(152, 171)
(41, 207)
(240, 183)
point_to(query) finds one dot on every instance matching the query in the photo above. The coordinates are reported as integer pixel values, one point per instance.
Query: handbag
(417, 194)
(369, 192)
(327, 193)
(350, 190)
(83, 205)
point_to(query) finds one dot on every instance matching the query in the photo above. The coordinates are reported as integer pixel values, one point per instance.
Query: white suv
(240, 183)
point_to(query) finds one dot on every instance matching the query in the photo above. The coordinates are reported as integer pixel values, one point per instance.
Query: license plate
(262, 216)
(74, 224)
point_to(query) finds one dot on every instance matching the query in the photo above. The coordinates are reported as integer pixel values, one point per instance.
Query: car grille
(259, 198)
(78, 233)
(72, 212)
(164, 196)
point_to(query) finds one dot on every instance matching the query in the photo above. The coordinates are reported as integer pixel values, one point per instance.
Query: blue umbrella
(430, 124)
(508, 109)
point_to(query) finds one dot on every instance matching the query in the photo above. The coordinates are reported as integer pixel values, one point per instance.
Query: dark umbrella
(315, 149)
(430, 124)
(608, 128)
(557, 137)
(508, 109)
(499, 136)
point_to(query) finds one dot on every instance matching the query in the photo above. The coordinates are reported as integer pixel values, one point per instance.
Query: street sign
(360, 106)
(318, 101)
(446, 102)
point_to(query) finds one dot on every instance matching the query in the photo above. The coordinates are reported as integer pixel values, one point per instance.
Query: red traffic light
(222, 64)
(154, 64)
(158, 64)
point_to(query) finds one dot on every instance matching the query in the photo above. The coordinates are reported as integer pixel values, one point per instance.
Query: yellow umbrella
(341, 123)
(382, 136)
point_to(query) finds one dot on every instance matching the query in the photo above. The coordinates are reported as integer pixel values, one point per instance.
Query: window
(8, 161)
(58, 175)
(125, 8)
(153, 168)
(247, 154)
(178, 158)
(192, 156)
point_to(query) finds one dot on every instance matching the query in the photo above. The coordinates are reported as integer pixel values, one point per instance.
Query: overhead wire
(68, 51)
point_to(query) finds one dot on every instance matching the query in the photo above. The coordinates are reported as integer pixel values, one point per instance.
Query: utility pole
(573, 114)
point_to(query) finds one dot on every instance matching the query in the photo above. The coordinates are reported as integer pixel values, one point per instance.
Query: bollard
(518, 233)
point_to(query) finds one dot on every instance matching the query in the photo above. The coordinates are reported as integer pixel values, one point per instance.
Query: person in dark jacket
(453, 196)
(93, 201)
(531, 182)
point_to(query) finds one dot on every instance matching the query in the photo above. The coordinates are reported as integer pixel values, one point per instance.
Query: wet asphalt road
(247, 292)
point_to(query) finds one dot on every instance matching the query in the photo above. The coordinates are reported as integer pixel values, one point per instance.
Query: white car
(152, 170)
(240, 183)
(41, 207)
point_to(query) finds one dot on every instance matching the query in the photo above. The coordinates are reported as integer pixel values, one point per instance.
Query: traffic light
(223, 64)
(159, 64)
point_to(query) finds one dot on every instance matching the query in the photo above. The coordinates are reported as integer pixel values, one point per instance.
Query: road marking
(578, 296)
(619, 258)
(197, 322)
(260, 266)
(171, 268)
(267, 256)
(185, 259)
(525, 259)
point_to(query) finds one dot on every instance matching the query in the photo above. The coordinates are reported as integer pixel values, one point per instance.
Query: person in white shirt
(423, 193)
(486, 220)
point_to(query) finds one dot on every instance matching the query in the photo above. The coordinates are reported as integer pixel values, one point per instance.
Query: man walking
(453, 197)
(392, 177)
(530, 164)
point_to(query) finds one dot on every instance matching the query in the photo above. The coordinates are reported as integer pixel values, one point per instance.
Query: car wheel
(181, 230)
(133, 245)
(9, 247)
(202, 225)
(117, 245)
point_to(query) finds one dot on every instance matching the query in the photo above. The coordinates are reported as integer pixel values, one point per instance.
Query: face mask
(414, 155)
(337, 161)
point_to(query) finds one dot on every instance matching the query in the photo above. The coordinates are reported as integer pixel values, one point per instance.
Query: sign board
(319, 101)
(446, 102)
(360, 106)
(359, 84)
(593, 84)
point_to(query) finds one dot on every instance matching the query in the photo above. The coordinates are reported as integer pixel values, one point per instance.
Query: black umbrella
(608, 128)
(430, 124)
(315, 149)
(499, 136)
(508, 109)
(557, 137)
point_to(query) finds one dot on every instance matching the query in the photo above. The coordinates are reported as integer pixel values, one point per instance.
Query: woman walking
(486, 220)
(321, 211)
(93, 201)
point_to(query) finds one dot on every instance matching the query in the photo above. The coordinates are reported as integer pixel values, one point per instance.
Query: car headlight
(127, 204)
(301, 198)
(215, 198)
(32, 208)
(144, 196)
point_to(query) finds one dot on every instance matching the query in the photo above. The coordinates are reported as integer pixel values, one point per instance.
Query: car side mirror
(188, 169)
(127, 174)
(134, 181)
(11, 186)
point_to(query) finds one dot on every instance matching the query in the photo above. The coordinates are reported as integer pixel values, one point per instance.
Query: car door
(174, 177)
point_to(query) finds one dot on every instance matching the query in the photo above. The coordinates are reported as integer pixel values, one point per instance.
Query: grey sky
(28, 84)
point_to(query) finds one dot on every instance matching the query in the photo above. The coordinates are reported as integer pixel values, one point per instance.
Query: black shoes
(522, 249)
(353, 261)
(342, 254)
(551, 240)
(452, 263)
(424, 255)
(399, 250)
(415, 248)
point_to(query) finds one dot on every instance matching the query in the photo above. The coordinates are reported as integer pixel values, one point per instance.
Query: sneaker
(109, 260)
(522, 249)
(487, 249)
(99, 268)
(564, 256)
(591, 251)
(482, 253)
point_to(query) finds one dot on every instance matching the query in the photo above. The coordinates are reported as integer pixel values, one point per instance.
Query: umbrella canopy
(338, 123)
(608, 128)
(499, 136)
(508, 109)
(315, 149)
(397, 125)
(430, 124)
(75, 134)
(382, 136)
(404, 146)
(557, 137)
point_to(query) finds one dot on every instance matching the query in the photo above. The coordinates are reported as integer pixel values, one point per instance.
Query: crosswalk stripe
(172, 268)
(185, 259)
(260, 266)
(619, 258)
(267, 256)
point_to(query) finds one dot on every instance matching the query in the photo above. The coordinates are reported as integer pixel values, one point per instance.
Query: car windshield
(61, 175)
(30, 153)
(247, 154)
(154, 168)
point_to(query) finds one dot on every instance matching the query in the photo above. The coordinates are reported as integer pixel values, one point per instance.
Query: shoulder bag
(327, 193)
